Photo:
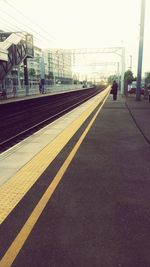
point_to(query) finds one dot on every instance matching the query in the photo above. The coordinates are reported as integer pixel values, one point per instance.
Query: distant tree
(32, 72)
(75, 81)
(128, 79)
(50, 75)
(147, 85)
(112, 78)
(147, 79)
(128, 76)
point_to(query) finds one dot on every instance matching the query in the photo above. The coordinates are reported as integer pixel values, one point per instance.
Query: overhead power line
(13, 28)
(43, 37)
(28, 18)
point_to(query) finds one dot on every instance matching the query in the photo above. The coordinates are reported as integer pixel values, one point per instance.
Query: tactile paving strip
(16, 187)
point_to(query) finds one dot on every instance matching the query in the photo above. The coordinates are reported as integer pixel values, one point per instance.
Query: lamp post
(130, 67)
(140, 54)
(118, 74)
(26, 76)
(122, 70)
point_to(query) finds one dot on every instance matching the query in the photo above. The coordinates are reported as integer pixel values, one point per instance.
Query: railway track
(23, 118)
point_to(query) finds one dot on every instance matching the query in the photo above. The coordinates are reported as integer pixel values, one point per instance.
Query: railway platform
(36, 94)
(77, 192)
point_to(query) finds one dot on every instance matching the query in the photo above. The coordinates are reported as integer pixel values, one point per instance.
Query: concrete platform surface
(98, 214)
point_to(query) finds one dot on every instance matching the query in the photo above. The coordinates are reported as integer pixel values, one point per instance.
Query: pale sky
(81, 24)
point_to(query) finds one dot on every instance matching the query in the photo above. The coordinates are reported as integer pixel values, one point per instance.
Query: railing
(21, 91)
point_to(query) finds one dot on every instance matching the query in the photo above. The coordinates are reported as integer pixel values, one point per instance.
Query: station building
(25, 64)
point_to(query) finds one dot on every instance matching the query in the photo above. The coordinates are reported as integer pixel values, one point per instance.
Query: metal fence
(21, 91)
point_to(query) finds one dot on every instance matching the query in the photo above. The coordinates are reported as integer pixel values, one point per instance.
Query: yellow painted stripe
(16, 187)
(19, 241)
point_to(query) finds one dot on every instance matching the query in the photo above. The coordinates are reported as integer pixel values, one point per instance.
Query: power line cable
(14, 28)
(28, 18)
(21, 23)
(16, 32)
(25, 25)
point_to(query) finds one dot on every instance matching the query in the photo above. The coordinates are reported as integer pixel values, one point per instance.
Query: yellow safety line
(16, 187)
(19, 241)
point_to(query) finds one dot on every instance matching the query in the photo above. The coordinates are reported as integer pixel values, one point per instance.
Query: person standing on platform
(114, 90)
(40, 87)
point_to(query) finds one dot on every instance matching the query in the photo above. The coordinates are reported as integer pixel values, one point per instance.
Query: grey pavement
(140, 110)
(99, 215)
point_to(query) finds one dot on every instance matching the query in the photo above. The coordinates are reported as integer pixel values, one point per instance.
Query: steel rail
(19, 136)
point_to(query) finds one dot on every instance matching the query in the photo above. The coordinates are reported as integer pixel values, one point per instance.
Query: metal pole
(130, 62)
(118, 74)
(122, 70)
(19, 85)
(26, 78)
(54, 79)
(42, 68)
(140, 55)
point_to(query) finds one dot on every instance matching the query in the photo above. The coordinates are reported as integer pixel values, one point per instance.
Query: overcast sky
(81, 24)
